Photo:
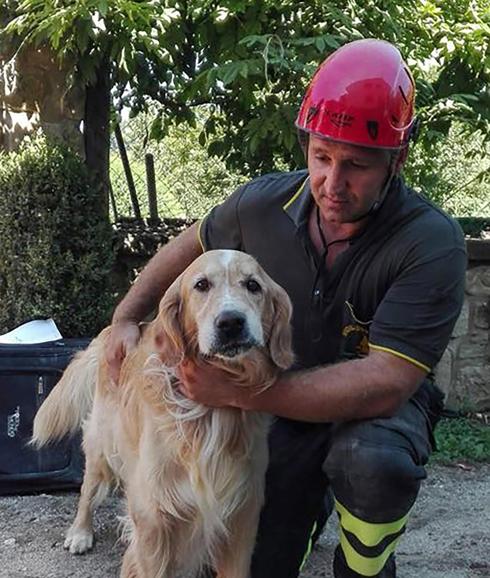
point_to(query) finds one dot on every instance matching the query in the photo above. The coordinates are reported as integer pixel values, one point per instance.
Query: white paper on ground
(37, 331)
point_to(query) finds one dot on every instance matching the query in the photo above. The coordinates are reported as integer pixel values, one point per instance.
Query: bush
(475, 227)
(56, 242)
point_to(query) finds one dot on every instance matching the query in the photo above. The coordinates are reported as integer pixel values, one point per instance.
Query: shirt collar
(299, 205)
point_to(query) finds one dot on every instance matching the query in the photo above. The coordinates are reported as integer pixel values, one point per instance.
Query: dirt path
(448, 537)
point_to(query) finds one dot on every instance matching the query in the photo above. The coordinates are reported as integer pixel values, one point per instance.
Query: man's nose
(335, 180)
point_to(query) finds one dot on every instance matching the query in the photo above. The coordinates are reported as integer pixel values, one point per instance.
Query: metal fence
(173, 178)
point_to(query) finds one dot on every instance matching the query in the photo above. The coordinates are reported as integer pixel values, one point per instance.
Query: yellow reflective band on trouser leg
(370, 536)
(309, 548)
(362, 564)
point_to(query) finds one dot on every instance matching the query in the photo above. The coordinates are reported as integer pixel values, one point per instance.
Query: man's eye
(253, 286)
(202, 285)
(357, 165)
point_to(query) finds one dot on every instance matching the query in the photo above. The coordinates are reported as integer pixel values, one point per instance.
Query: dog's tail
(70, 401)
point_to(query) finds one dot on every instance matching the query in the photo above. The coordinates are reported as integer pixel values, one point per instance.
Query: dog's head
(224, 307)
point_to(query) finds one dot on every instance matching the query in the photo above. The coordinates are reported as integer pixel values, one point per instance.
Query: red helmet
(362, 94)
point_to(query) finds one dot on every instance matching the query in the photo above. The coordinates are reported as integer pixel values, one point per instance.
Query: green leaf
(215, 148)
(102, 7)
(229, 72)
(320, 44)
(244, 69)
(157, 130)
(253, 143)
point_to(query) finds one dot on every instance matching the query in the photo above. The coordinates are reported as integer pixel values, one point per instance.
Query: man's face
(346, 180)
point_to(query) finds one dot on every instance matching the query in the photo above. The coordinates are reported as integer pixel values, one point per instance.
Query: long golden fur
(193, 476)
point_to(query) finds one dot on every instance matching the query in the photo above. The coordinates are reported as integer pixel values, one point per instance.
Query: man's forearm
(158, 275)
(372, 387)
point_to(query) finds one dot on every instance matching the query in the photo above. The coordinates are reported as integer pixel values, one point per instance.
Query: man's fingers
(114, 362)
(186, 375)
(115, 369)
(123, 339)
(185, 370)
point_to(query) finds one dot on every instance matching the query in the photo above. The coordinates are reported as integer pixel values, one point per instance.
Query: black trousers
(372, 467)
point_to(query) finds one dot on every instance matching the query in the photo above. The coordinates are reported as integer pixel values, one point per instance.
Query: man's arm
(375, 386)
(145, 294)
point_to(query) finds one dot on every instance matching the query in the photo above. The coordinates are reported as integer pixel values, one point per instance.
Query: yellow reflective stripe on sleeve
(361, 564)
(296, 194)
(368, 533)
(401, 355)
(199, 236)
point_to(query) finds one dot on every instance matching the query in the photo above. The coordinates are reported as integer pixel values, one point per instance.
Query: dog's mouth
(234, 349)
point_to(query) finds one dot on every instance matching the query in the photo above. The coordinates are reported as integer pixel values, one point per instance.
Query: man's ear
(280, 342)
(169, 335)
(400, 160)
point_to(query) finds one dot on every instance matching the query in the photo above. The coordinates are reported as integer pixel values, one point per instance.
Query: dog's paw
(79, 541)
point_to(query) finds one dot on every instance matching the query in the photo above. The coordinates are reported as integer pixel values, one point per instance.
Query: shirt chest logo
(355, 333)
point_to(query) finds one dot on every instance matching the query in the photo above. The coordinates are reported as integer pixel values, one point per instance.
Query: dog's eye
(202, 285)
(253, 286)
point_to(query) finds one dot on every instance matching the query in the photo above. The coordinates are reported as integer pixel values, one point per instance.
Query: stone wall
(464, 371)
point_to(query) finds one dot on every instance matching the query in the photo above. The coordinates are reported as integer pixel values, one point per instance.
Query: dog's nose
(230, 324)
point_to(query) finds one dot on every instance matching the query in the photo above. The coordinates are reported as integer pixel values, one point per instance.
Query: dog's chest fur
(205, 463)
(200, 464)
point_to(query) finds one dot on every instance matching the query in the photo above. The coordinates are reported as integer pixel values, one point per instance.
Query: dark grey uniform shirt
(398, 287)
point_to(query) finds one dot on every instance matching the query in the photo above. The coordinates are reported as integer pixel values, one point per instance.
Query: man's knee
(373, 474)
(375, 479)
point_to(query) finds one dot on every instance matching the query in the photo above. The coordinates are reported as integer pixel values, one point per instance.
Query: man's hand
(211, 386)
(123, 338)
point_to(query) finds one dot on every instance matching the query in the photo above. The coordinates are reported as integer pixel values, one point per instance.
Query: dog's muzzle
(232, 335)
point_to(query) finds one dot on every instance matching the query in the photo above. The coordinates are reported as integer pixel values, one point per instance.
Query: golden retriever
(193, 476)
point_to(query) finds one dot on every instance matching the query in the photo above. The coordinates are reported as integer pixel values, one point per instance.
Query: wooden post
(127, 171)
(113, 203)
(151, 186)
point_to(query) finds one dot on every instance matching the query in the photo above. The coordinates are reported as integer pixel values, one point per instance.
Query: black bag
(27, 374)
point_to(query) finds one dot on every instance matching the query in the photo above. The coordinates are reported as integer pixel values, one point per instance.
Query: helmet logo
(312, 112)
(372, 128)
(339, 119)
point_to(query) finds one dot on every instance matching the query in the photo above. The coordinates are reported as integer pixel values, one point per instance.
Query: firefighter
(375, 273)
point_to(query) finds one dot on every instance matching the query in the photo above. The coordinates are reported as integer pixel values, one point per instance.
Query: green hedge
(56, 244)
(474, 227)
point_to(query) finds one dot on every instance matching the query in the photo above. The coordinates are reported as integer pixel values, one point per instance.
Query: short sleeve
(220, 229)
(418, 313)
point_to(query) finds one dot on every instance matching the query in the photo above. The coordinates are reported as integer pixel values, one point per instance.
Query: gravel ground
(448, 537)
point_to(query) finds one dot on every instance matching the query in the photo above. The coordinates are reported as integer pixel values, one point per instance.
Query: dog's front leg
(233, 560)
(149, 554)
(129, 567)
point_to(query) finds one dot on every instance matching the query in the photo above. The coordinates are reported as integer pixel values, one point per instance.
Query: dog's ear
(280, 342)
(169, 335)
